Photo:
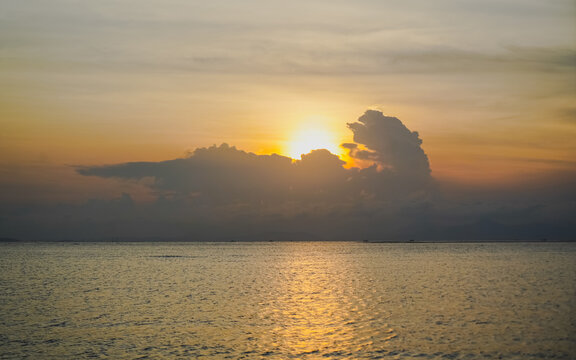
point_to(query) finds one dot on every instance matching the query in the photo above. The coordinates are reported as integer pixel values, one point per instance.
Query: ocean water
(288, 300)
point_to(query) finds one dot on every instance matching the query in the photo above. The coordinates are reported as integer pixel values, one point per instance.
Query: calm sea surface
(287, 300)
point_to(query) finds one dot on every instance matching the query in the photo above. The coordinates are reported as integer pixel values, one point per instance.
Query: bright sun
(311, 139)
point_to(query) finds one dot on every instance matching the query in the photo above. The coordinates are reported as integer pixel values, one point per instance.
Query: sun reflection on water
(317, 310)
(287, 301)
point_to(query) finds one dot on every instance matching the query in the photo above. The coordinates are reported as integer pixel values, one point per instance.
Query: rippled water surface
(287, 300)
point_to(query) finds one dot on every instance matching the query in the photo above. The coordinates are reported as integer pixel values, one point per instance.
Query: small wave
(172, 256)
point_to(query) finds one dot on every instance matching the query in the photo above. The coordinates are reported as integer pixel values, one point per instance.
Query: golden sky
(489, 86)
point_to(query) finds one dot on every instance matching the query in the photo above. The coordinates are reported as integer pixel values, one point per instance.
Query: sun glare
(311, 139)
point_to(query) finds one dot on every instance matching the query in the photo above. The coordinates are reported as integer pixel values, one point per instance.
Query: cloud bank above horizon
(393, 162)
(223, 193)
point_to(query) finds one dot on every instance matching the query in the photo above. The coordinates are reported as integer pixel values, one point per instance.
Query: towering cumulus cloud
(223, 174)
(230, 191)
(389, 144)
(223, 193)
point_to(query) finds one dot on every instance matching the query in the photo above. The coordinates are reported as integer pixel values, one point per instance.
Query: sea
(288, 300)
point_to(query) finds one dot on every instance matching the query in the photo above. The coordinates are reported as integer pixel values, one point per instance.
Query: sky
(445, 119)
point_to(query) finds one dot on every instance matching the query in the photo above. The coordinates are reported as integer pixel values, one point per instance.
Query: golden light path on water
(287, 301)
(317, 312)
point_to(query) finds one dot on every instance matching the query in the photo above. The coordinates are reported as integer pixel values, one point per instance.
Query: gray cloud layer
(222, 193)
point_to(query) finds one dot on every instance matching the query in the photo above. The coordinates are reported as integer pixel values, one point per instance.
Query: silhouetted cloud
(224, 174)
(389, 144)
(223, 193)
(221, 173)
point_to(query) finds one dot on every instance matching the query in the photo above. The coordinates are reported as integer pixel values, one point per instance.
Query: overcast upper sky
(488, 86)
